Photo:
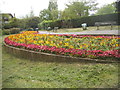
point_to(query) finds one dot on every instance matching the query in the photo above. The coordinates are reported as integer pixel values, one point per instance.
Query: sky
(23, 7)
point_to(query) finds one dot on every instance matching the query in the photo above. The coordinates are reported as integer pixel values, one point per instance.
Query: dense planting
(70, 45)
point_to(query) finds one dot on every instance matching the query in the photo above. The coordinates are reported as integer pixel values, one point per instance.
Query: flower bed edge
(46, 57)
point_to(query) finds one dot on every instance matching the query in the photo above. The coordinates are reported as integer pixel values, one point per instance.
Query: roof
(7, 14)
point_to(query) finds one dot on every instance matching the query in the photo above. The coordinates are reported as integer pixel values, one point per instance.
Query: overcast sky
(23, 7)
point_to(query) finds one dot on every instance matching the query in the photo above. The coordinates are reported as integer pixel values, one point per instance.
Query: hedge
(90, 20)
(75, 23)
(10, 31)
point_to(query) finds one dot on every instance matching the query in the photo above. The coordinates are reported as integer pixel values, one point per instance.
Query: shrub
(49, 23)
(6, 32)
(7, 26)
(10, 31)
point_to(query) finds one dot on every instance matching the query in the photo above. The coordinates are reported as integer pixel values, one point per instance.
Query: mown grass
(22, 73)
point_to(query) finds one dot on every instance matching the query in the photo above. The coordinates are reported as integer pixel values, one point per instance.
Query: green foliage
(23, 23)
(106, 9)
(51, 13)
(10, 31)
(6, 26)
(45, 15)
(78, 9)
(52, 5)
(117, 5)
(75, 23)
(46, 23)
(90, 20)
(29, 22)
(33, 22)
(13, 23)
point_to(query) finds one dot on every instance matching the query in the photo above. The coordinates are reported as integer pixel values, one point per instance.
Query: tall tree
(53, 8)
(53, 5)
(107, 9)
(51, 13)
(31, 13)
(78, 8)
(45, 15)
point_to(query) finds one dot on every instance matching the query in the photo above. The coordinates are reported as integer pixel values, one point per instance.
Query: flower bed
(68, 45)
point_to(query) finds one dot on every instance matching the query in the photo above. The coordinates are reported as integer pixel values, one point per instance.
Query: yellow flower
(47, 42)
(71, 46)
(117, 45)
(35, 42)
(67, 39)
(66, 44)
(80, 46)
(41, 41)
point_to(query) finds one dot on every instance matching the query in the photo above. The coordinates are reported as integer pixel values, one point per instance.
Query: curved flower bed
(68, 45)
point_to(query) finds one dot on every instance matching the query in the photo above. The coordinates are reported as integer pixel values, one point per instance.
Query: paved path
(97, 32)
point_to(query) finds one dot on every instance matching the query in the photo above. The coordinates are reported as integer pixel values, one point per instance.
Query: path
(97, 32)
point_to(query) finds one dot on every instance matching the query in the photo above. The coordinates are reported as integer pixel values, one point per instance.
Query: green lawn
(22, 73)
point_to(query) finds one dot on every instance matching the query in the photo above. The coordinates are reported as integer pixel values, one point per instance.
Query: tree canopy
(51, 13)
(107, 9)
(78, 9)
(53, 5)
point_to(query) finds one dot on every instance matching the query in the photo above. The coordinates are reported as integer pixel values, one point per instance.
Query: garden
(30, 74)
(85, 46)
(30, 59)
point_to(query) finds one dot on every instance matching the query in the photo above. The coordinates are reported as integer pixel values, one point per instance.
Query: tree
(14, 22)
(51, 13)
(45, 15)
(31, 13)
(23, 23)
(107, 9)
(53, 5)
(117, 5)
(33, 22)
(78, 9)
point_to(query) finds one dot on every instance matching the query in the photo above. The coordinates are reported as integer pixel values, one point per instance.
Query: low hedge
(10, 31)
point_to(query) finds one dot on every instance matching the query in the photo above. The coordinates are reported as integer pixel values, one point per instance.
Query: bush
(10, 31)
(45, 24)
(7, 26)
(49, 23)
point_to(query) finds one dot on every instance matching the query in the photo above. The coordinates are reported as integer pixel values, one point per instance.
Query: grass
(91, 28)
(22, 73)
(0, 59)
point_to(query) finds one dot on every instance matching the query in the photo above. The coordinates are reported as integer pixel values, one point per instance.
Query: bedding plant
(87, 46)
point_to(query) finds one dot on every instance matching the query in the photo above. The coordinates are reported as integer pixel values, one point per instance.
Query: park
(62, 49)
